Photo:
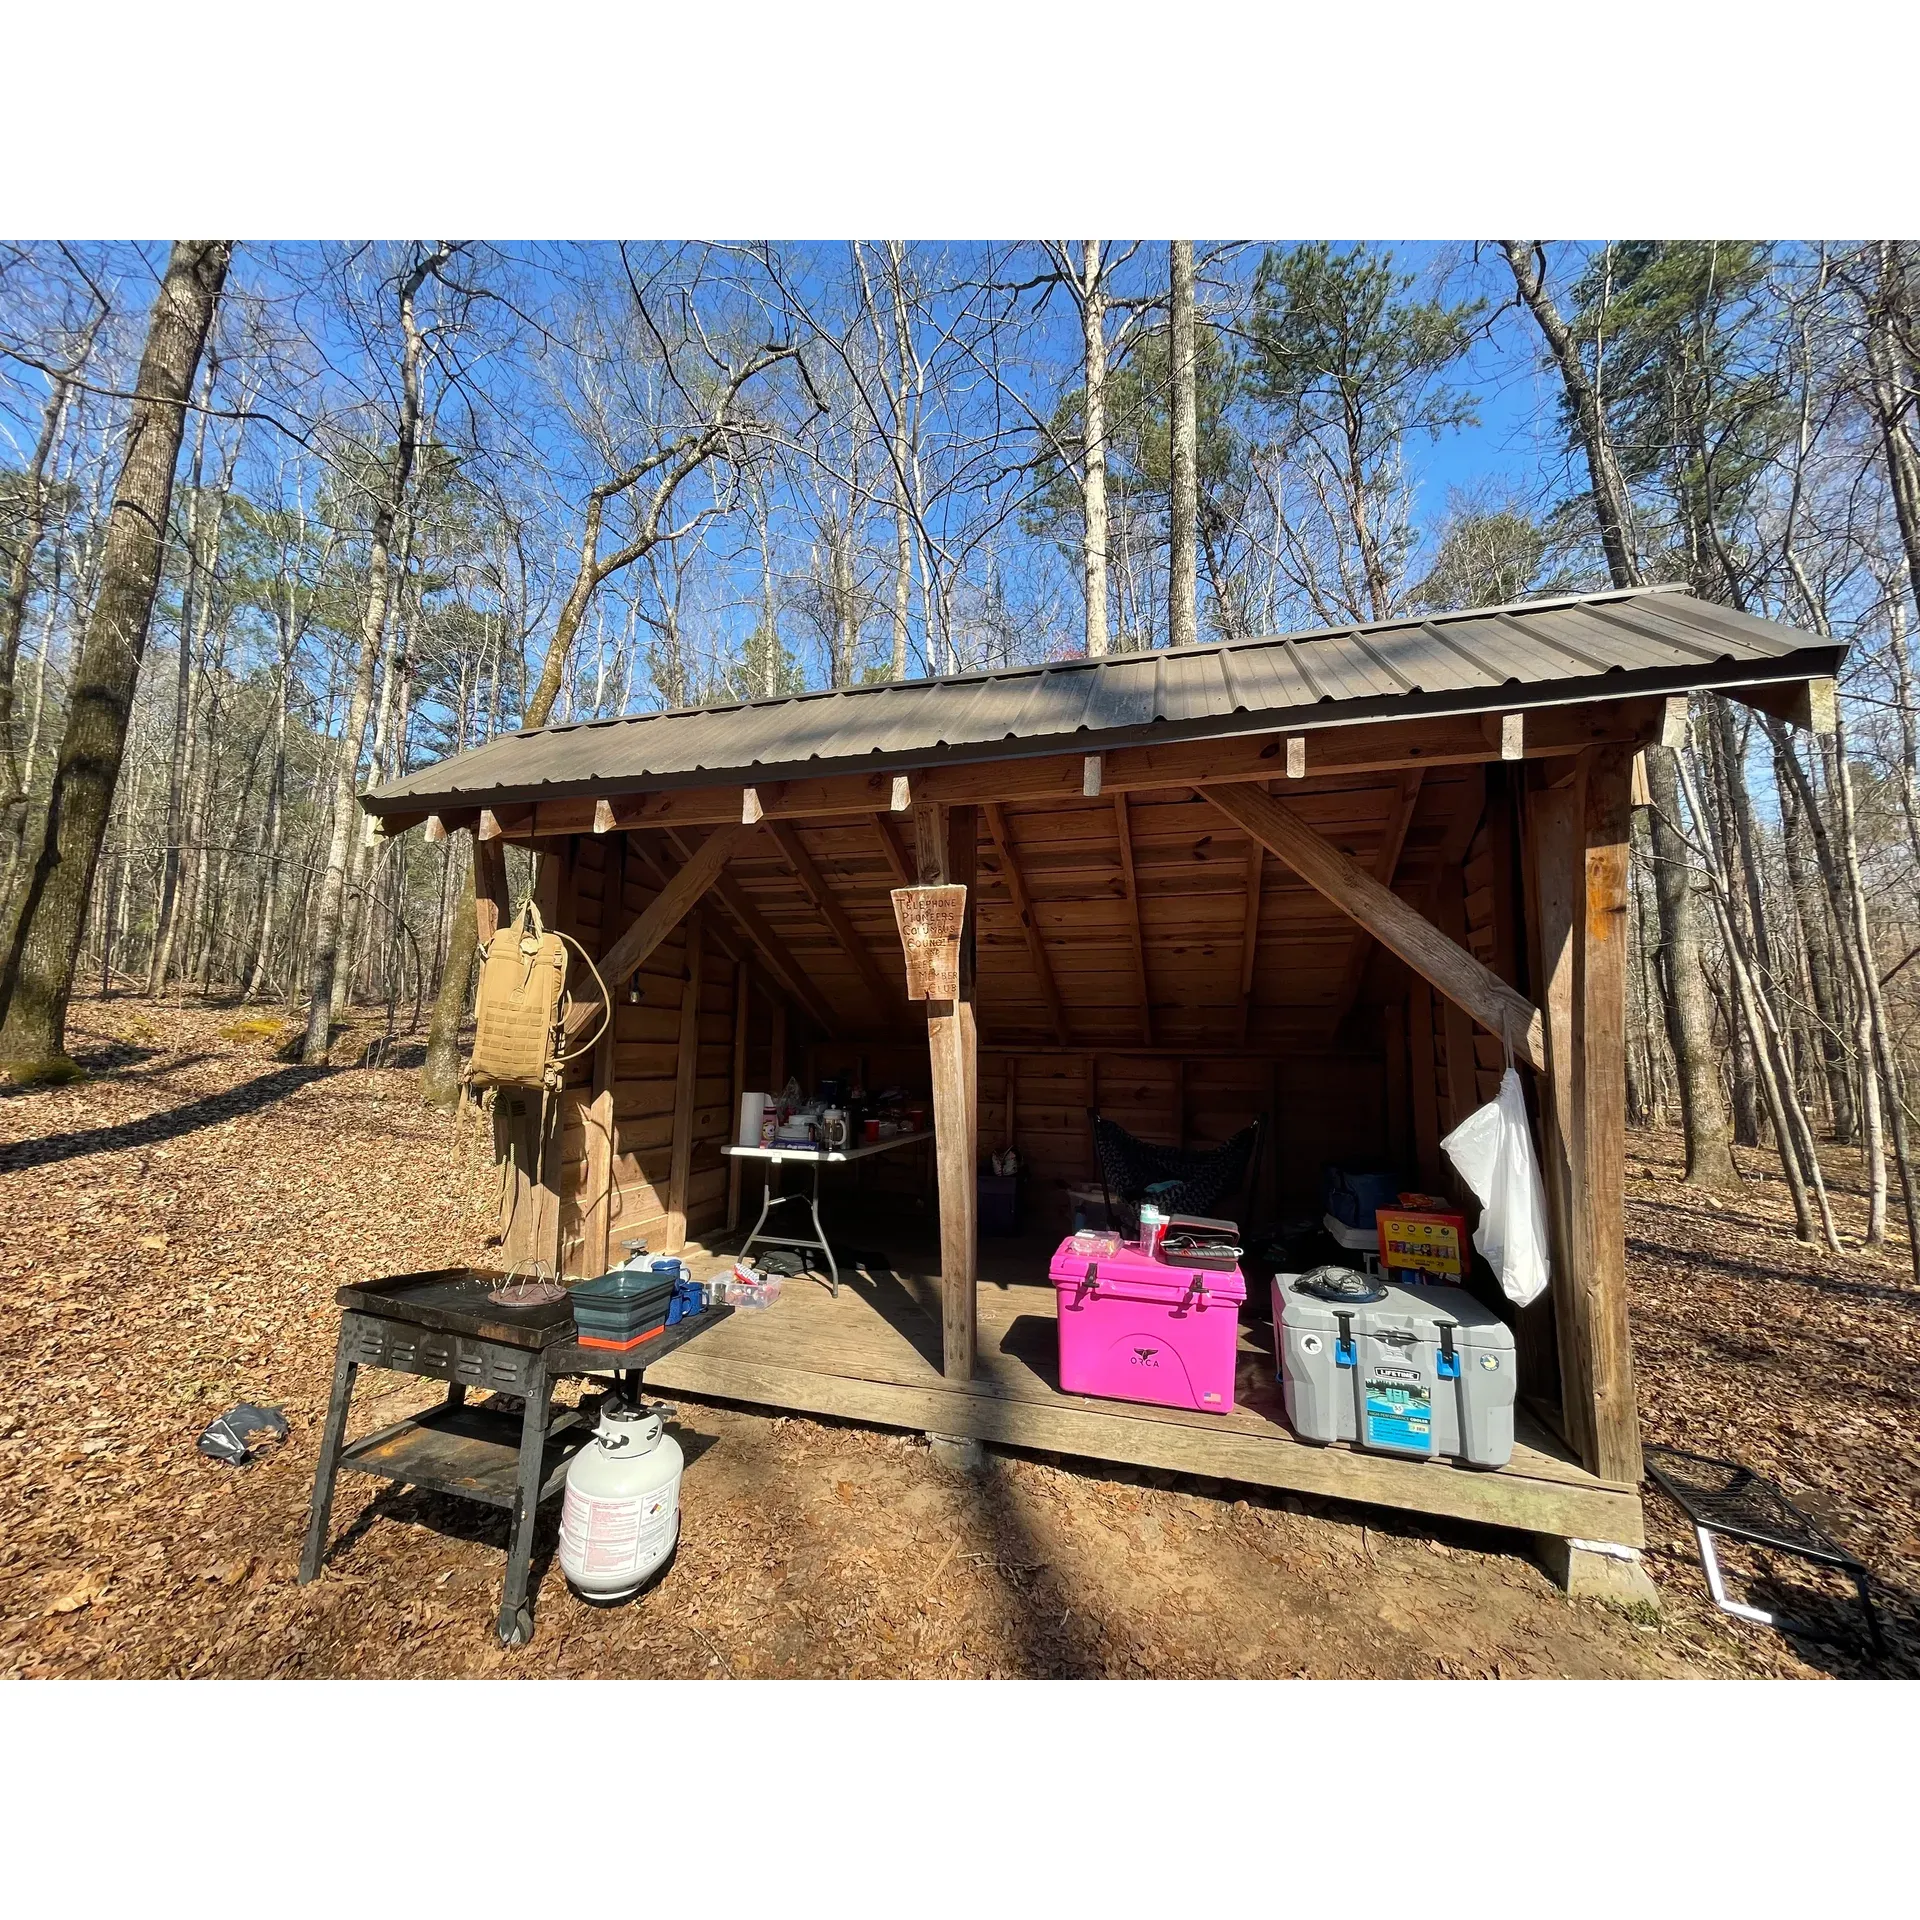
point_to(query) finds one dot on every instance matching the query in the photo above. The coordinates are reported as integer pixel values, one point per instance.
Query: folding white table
(816, 1158)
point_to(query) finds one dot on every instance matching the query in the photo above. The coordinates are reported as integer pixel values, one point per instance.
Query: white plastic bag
(1493, 1149)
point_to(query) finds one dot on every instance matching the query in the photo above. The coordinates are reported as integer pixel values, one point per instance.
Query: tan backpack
(517, 1012)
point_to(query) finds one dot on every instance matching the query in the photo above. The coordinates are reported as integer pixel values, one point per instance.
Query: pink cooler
(1134, 1326)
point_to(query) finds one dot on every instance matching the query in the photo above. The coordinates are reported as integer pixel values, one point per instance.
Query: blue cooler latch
(1343, 1349)
(1449, 1365)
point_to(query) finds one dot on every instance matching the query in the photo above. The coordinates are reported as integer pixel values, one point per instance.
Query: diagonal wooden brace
(1474, 988)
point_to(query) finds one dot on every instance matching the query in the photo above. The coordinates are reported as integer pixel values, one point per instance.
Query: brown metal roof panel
(1345, 670)
(1738, 636)
(1194, 686)
(1623, 649)
(1125, 693)
(1510, 653)
(1267, 677)
(1428, 663)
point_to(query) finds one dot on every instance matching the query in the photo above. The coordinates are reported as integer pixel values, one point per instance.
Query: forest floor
(176, 1223)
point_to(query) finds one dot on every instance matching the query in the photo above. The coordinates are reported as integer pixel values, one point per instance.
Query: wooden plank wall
(599, 897)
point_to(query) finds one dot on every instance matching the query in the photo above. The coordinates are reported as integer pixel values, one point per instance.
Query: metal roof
(1531, 653)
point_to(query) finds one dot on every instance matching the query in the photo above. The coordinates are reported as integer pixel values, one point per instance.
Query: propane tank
(622, 1512)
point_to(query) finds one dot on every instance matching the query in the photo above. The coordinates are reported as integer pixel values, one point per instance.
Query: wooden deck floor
(873, 1355)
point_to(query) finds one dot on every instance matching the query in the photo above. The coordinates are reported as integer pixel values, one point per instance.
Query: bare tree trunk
(1689, 1020)
(1689, 1023)
(1183, 624)
(1093, 485)
(1823, 988)
(182, 696)
(13, 612)
(44, 941)
(346, 815)
(1883, 1048)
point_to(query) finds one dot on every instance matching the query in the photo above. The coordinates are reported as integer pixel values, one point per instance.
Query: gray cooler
(1425, 1371)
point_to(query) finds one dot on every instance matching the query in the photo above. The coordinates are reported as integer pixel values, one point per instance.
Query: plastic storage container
(619, 1310)
(1425, 1371)
(1133, 1327)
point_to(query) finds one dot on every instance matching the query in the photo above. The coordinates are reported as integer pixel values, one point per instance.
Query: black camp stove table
(442, 1326)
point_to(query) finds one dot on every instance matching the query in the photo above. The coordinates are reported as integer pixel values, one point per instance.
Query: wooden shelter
(1326, 877)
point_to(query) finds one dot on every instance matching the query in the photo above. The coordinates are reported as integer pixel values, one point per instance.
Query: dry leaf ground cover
(174, 1226)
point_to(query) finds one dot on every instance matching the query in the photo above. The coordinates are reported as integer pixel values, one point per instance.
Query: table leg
(331, 1438)
(766, 1207)
(516, 1616)
(820, 1232)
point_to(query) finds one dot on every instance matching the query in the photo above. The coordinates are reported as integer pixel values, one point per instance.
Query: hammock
(1202, 1178)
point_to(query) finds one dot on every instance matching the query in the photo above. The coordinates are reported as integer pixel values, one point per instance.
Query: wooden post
(681, 1166)
(596, 1224)
(742, 979)
(1424, 1076)
(1552, 826)
(1462, 1085)
(1599, 1293)
(944, 850)
(1577, 897)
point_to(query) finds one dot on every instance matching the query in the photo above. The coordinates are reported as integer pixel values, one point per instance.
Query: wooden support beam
(1513, 736)
(1386, 864)
(596, 1200)
(1023, 906)
(625, 957)
(1091, 769)
(686, 1072)
(1597, 1300)
(742, 985)
(780, 962)
(436, 830)
(1675, 712)
(750, 807)
(1123, 828)
(888, 993)
(492, 907)
(1423, 1076)
(1296, 756)
(1428, 951)
(953, 1054)
(1250, 931)
(890, 845)
(1813, 705)
(1456, 1028)
(602, 816)
(1338, 751)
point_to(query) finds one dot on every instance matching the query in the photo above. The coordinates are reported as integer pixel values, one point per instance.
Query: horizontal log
(1812, 705)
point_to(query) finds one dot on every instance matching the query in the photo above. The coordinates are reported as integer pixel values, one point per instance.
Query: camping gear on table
(509, 1449)
(1407, 1370)
(616, 1311)
(1721, 1497)
(621, 1518)
(1176, 1179)
(1422, 1246)
(1493, 1148)
(1136, 1327)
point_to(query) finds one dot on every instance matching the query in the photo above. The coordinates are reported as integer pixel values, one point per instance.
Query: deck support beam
(945, 840)
(1448, 966)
